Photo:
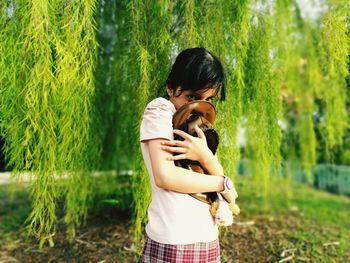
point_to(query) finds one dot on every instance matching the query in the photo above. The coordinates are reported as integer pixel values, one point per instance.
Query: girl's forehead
(205, 93)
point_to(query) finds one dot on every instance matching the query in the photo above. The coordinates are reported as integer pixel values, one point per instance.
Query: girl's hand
(192, 148)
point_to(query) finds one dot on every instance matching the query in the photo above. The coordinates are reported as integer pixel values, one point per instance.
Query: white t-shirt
(174, 218)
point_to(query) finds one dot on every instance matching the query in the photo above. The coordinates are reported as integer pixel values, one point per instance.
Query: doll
(202, 113)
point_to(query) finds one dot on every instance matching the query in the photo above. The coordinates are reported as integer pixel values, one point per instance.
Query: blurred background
(75, 77)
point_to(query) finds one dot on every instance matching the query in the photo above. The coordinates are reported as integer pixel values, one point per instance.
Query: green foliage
(261, 102)
(216, 20)
(313, 91)
(334, 51)
(150, 48)
(189, 33)
(281, 37)
(12, 50)
(303, 78)
(76, 56)
(46, 109)
(234, 58)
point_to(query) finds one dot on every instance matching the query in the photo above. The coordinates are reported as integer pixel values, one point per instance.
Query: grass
(294, 223)
(316, 205)
(314, 224)
(14, 208)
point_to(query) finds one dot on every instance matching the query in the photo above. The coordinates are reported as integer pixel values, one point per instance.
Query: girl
(180, 228)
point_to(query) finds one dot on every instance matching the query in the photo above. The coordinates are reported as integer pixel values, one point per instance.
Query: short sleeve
(157, 120)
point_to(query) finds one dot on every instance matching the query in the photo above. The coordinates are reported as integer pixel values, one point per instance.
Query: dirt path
(108, 238)
(4, 178)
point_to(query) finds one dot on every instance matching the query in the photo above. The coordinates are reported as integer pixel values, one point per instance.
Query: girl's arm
(178, 179)
(195, 148)
(213, 166)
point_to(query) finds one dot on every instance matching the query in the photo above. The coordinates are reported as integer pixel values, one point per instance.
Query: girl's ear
(169, 91)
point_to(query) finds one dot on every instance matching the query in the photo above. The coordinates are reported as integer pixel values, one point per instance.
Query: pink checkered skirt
(154, 252)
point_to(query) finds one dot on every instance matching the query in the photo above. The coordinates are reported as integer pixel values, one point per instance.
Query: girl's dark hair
(195, 69)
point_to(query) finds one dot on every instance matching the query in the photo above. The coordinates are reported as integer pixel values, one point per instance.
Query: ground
(315, 230)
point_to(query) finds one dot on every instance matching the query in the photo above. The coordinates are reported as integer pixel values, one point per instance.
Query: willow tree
(47, 84)
(261, 101)
(314, 95)
(188, 35)
(302, 76)
(63, 117)
(151, 47)
(334, 52)
(223, 34)
(282, 53)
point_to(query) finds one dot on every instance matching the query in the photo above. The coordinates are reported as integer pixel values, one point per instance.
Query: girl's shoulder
(157, 120)
(162, 104)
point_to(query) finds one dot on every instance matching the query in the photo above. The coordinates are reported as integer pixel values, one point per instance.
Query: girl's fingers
(174, 149)
(183, 134)
(199, 131)
(177, 157)
(183, 144)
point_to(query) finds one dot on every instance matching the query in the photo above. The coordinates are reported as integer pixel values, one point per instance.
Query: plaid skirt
(154, 252)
